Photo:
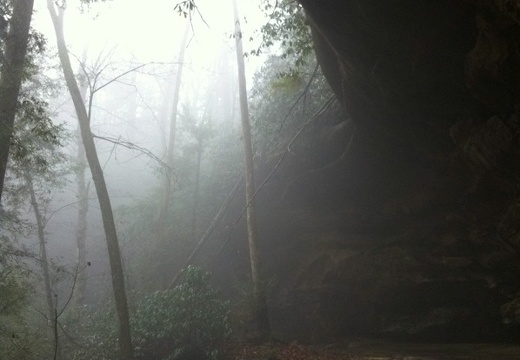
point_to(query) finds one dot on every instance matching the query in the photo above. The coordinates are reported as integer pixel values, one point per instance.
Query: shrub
(93, 333)
(189, 319)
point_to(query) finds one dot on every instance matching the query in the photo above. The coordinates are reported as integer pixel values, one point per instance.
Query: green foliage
(14, 287)
(14, 294)
(36, 152)
(36, 141)
(93, 332)
(36, 45)
(36, 137)
(287, 83)
(191, 318)
(21, 340)
(137, 222)
(282, 100)
(287, 26)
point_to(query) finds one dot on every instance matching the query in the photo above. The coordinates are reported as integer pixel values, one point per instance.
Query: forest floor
(364, 349)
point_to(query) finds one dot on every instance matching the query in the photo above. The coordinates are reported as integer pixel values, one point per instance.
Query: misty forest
(259, 179)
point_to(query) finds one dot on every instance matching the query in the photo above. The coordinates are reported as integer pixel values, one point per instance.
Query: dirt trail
(366, 349)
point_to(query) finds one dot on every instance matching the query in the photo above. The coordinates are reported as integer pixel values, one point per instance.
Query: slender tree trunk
(82, 224)
(114, 254)
(51, 306)
(168, 179)
(131, 111)
(11, 76)
(82, 197)
(196, 192)
(260, 307)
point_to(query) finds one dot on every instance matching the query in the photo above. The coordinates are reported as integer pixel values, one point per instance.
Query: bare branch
(85, 71)
(304, 93)
(324, 107)
(74, 281)
(120, 76)
(132, 146)
(62, 207)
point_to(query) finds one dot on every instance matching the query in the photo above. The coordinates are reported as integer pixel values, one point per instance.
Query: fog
(110, 39)
(191, 180)
(170, 166)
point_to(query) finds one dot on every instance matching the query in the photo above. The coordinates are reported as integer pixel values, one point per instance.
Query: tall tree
(260, 313)
(201, 130)
(199, 149)
(11, 74)
(114, 253)
(168, 179)
(37, 165)
(82, 198)
(52, 311)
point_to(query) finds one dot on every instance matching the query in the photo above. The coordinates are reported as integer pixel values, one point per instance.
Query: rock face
(401, 218)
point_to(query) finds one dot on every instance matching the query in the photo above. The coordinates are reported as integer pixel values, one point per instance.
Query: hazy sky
(150, 30)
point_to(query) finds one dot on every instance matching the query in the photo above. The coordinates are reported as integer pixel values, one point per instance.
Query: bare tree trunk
(11, 76)
(82, 196)
(168, 179)
(260, 306)
(196, 192)
(52, 314)
(131, 111)
(114, 254)
(82, 224)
